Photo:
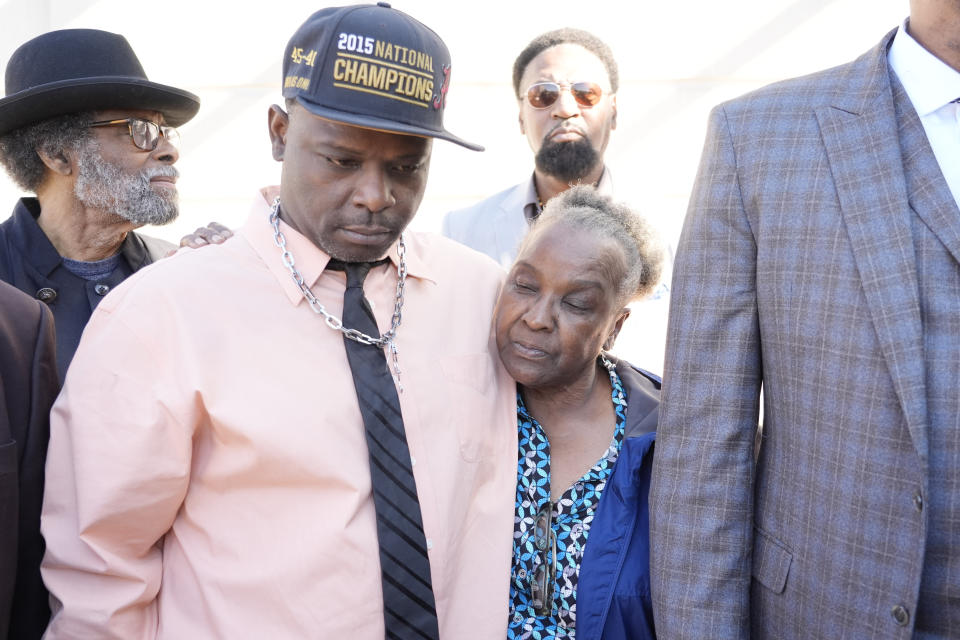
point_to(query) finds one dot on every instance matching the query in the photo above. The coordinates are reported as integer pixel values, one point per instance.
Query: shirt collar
(310, 259)
(36, 245)
(531, 204)
(929, 82)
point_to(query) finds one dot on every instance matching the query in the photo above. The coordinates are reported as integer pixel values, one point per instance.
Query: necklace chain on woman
(388, 339)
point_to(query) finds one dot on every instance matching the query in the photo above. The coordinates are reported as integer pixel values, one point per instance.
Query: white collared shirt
(932, 86)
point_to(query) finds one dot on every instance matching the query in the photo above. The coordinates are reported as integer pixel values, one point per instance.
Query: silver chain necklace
(388, 339)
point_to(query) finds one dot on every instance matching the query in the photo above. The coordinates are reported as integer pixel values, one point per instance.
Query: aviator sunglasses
(543, 94)
(144, 134)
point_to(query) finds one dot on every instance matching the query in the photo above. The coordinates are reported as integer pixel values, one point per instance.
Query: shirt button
(46, 294)
(900, 615)
(101, 289)
(430, 546)
(517, 617)
(413, 461)
(522, 574)
(918, 501)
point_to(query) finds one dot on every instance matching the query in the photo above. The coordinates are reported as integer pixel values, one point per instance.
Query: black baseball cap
(371, 66)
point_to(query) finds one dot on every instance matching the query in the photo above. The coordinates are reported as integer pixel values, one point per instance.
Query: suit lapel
(860, 136)
(511, 225)
(927, 189)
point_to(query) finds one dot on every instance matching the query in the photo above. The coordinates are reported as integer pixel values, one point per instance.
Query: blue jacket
(613, 592)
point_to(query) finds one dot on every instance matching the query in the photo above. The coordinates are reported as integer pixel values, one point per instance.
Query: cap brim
(382, 124)
(95, 94)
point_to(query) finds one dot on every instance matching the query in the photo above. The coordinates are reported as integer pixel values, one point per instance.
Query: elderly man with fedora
(328, 447)
(83, 129)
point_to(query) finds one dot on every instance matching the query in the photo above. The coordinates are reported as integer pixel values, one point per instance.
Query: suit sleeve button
(46, 294)
(900, 615)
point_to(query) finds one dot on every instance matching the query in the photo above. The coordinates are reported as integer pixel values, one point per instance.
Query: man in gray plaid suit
(820, 260)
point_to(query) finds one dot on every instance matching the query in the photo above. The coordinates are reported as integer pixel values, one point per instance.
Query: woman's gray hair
(18, 149)
(583, 207)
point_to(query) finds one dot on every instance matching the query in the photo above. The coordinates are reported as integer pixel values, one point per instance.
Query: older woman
(586, 422)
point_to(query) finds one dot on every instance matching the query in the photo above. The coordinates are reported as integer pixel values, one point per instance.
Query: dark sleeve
(30, 610)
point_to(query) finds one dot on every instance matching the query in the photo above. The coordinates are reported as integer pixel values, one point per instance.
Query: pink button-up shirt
(208, 477)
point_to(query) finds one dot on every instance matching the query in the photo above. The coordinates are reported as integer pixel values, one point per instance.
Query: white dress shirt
(932, 86)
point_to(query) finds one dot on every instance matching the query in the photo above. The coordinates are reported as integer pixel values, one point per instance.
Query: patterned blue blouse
(547, 534)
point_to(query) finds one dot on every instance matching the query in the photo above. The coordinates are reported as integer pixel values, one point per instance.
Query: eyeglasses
(544, 575)
(144, 134)
(543, 94)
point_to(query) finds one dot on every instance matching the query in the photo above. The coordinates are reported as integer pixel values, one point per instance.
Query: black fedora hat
(74, 70)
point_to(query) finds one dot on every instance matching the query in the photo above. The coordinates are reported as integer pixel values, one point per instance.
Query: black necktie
(409, 608)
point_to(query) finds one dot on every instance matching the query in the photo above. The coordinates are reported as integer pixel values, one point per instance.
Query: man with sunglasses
(566, 83)
(83, 129)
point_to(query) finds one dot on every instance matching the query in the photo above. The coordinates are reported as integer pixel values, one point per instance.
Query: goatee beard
(567, 161)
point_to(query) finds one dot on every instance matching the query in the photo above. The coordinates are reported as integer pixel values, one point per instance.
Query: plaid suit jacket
(819, 260)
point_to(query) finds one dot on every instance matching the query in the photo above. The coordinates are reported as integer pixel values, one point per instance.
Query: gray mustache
(165, 171)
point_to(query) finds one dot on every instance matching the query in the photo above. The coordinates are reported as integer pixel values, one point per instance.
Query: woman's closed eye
(577, 304)
(524, 286)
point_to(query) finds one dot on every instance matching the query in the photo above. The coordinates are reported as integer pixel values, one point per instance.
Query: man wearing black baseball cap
(329, 448)
(83, 128)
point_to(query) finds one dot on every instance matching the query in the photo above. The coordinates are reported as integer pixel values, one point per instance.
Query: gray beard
(107, 187)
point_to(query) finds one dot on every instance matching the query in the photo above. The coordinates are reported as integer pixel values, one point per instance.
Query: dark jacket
(613, 592)
(30, 262)
(28, 386)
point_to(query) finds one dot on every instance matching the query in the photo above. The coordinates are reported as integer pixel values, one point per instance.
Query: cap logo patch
(384, 69)
(440, 100)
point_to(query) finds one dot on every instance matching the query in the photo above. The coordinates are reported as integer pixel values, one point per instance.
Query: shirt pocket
(473, 395)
